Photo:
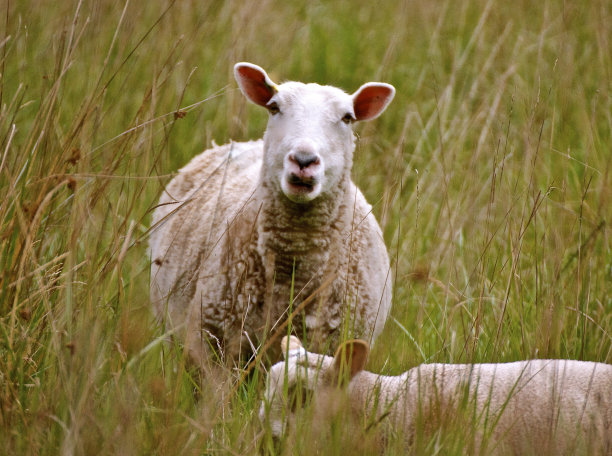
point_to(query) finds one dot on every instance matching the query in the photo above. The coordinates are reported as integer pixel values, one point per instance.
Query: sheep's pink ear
(372, 99)
(254, 83)
(351, 358)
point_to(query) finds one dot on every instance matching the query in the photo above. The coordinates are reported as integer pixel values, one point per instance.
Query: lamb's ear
(291, 345)
(351, 358)
(254, 83)
(372, 99)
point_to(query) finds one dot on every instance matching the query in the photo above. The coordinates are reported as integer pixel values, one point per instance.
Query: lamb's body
(230, 246)
(548, 406)
(525, 407)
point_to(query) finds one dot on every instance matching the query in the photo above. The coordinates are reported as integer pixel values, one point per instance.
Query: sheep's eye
(348, 118)
(273, 108)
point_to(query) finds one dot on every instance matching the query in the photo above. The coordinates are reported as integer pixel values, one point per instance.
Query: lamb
(244, 228)
(548, 406)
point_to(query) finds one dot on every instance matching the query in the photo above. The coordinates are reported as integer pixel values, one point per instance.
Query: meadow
(490, 174)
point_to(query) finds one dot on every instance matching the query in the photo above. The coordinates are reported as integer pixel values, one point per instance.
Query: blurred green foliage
(489, 173)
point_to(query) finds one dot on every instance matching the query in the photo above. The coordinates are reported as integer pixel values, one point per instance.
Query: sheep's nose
(304, 159)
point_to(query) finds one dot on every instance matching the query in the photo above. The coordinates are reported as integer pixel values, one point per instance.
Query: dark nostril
(304, 159)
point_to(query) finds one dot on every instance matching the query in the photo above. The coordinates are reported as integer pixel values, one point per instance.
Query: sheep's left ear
(254, 83)
(372, 99)
(351, 358)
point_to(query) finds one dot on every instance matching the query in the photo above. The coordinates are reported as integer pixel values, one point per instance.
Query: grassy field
(490, 174)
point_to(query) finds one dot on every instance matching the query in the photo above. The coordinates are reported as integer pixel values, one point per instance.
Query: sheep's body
(230, 248)
(548, 406)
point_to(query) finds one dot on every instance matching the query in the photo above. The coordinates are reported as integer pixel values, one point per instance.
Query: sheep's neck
(301, 246)
(292, 231)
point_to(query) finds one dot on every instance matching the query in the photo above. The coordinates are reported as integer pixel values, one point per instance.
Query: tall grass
(490, 174)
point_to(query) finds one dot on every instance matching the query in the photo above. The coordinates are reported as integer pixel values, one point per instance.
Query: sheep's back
(553, 405)
(192, 214)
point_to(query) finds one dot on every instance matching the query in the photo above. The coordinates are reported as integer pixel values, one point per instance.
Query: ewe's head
(309, 141)
(304, 374)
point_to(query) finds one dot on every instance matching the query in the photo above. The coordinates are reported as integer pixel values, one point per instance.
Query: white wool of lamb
(524, 407)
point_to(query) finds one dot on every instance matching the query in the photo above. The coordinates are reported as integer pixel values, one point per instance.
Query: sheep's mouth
(301, 188)
(302, 184)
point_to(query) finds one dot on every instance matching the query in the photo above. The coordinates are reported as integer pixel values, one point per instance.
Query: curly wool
(244, 227)
(225, 253)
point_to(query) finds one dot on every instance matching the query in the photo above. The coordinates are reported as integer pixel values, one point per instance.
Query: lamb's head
(304, 374)
(309, 141)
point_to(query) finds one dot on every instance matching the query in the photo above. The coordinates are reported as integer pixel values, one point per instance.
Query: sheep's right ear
(351, 358)
(254, 83)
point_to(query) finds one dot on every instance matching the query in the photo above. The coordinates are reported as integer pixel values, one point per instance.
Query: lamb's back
(553, 405)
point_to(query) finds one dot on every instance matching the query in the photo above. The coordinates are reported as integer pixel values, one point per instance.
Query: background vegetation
(490, 174)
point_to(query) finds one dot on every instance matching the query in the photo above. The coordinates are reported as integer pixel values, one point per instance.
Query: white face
(309, 141)
(307, 369)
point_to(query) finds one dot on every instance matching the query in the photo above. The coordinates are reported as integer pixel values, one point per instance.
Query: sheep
(244, 228)
(549, 406)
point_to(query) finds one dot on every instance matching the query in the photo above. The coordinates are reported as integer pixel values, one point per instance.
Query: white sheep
(548, 406)
(245, 226)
